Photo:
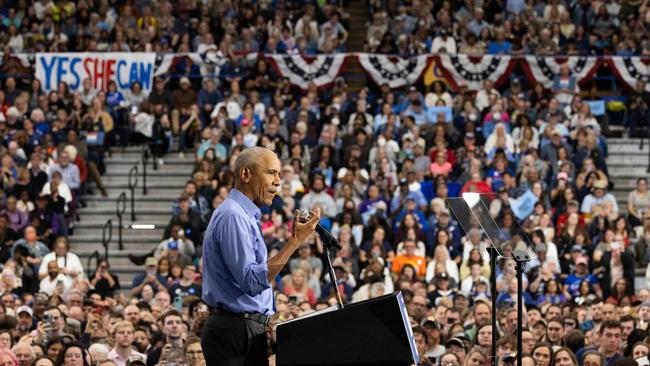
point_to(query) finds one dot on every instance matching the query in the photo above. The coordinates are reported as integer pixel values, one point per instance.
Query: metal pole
(520, 311)
(145, 159)
(339, 300)
(647, 170)
(493, 293)
(133, 182)
(121, 207)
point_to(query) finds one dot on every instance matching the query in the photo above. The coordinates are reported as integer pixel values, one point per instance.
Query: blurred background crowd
(380, 169)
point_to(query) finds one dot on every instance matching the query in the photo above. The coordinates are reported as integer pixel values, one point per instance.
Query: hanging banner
(100, 67)
(545, 69)
(631, 69)
(433, 73)
(394, 71)
(472, 71)
(301, 70)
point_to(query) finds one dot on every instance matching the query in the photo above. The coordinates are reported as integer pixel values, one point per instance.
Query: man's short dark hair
(627, 318)
(168, 313)
(574, 340)
(419, 329)
(557, 319)
(610, 324)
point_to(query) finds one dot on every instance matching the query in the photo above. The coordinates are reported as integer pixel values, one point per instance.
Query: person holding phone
(56, 282)
(237, 271)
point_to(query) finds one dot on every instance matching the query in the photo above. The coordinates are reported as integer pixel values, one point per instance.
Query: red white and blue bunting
(472, 71)
(543, 70)
(458, 70)
(322, 70)
(632, 69)
(394, 71)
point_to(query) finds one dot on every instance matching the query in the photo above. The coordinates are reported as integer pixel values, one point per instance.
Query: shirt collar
(249, 206)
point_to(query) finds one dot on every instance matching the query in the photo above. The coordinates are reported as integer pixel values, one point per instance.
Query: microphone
(329, 241)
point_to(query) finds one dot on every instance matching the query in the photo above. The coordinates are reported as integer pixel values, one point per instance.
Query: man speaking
(236, 270)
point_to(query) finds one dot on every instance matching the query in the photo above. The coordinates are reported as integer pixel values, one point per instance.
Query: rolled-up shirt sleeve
(236, 244)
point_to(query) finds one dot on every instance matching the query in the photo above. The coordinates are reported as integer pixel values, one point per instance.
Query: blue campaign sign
(434, 111)
(597, 107)
(524, 205)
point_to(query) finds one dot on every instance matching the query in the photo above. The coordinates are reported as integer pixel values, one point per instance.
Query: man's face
(511, 321)
(52, 269)
(173, 327)
(609, 312)
(132, 314)
(611, 340)
(554, 332)
(24, 321)
(264, 180)
(162, 298)
(528, 342)
(628, 327)
(552, 312)
(481, 314)
(458, 351)
(23, 353)
(55, 314)
(124, 337)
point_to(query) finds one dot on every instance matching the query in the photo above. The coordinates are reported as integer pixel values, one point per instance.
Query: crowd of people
(372, 160)
(553, 27)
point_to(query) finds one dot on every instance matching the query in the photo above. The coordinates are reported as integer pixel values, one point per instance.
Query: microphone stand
(330, 243)
(494, 255)
(520, 257)
(339, 300)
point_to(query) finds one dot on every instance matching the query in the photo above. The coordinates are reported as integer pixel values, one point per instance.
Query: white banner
(101, 68)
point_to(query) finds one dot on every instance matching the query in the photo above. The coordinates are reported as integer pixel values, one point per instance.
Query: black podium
(372, 332)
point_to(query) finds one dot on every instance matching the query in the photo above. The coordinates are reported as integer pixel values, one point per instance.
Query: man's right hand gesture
(301, 231)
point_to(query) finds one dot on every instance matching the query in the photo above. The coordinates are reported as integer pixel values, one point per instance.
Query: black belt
(257, 317)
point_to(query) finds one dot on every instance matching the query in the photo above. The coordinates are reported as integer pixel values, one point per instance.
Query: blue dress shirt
(235, 272)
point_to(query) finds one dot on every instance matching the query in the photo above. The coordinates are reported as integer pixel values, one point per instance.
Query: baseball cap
(136, 359)
(184, 80)
(403, 181)
(581, 260)
(442, 276)
(431, 323)
(151, 261)
(600, 184)
(456, 341)
(469, 135)
(463, 294)
(25, 309)
(576, 249)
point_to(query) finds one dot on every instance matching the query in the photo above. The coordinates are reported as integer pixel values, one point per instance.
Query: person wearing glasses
(194, 352)
(449, 359)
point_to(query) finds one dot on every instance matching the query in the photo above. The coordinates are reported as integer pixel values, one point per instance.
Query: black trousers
(232, 341)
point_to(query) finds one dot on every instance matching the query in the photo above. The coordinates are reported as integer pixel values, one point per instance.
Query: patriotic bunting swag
(321, 69)
(471, 71)
(544, 69)
(631, 69)
(394, 71)
(458, 70)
